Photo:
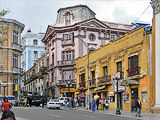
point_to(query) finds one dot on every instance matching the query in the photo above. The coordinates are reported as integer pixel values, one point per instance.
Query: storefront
(67, 92)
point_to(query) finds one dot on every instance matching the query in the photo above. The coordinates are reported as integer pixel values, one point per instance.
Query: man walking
(138, 105)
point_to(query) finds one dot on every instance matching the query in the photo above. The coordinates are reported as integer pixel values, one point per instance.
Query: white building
(33, 49)
(65, 42)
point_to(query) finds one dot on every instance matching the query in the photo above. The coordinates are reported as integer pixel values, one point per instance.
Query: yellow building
(128, 55)
(10, 54)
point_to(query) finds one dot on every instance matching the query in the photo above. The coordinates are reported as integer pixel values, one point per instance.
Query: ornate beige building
(10, 54)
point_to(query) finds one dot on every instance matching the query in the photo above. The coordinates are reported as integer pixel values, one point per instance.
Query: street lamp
(69, 85)
(4, 86)
(87, 47)
(117, 110)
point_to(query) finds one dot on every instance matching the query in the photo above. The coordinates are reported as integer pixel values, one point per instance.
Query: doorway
(134, 92)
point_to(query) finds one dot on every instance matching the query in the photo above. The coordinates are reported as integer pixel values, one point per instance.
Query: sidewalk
(144, 116)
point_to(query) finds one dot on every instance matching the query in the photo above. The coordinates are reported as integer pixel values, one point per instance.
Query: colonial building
(34, 79)
(156, 56)
(130, 57)
(10, 56)
(75, 32)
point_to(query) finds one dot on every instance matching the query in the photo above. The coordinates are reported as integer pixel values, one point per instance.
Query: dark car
(36, 100)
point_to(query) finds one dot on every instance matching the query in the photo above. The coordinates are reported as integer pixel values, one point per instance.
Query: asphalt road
(37, 113)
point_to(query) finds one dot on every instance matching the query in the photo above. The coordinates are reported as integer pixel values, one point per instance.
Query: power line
(142, 13)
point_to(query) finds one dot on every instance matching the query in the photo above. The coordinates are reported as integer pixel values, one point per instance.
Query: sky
(38, 14)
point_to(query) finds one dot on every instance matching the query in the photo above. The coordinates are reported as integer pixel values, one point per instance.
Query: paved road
(37, 113)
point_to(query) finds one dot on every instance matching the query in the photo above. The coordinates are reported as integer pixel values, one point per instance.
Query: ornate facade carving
(156, 5)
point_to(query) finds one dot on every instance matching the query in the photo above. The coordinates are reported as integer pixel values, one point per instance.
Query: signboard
(66, 90)
(125, 96)
(116, 75)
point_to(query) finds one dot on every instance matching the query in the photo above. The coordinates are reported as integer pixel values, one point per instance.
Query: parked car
(62, 100)
(36, 100)
(53, 103)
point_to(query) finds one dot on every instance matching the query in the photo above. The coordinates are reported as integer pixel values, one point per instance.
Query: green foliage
(42, 70)
(4, 12)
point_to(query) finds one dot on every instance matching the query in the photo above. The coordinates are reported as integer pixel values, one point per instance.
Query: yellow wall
(134, 43)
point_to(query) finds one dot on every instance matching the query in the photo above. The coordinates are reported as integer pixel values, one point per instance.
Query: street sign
(116, 75)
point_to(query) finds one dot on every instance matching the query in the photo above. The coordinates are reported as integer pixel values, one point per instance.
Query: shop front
(67, 92)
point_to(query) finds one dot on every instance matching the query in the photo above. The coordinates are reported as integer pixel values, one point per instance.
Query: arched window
(67, 18)
(35, 42)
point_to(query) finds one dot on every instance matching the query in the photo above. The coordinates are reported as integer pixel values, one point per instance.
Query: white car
(61, 100)
(53, 103)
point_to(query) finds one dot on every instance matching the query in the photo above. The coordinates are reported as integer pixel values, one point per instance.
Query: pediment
(48, 31)
(94, 23)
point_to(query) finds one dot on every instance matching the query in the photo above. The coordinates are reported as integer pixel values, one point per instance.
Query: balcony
(82, 85)
(93, 82)
(17, 46)
(67, 42)
(1, 68)
(64, 81)
(51, 66)
(133, 71)
(16, 70)
(66, 62)
(104, 79)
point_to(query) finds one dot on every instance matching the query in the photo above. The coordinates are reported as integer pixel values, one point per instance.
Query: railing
(67, 42)
(1, 68)
(51, 66)
(133, 71)
(16, 70)
(93, 82)
(64, 81)
(17, 46)
(82, 85)
(104, 79)
(66, 62)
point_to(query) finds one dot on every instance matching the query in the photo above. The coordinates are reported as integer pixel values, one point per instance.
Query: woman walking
(6, 105)
(101, 105)
(93, 104)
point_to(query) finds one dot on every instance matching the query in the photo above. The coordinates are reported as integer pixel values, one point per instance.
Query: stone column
(156, 7)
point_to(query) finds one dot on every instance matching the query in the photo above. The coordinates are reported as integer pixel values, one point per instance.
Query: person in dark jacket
(133, 104)
(138, 105)
(97, 103)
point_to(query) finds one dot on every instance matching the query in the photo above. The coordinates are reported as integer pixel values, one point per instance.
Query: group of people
(99, 103)
(5, 108)
(74, 102)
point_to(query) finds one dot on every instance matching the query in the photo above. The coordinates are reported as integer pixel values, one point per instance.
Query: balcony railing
(64, 81)
(93, 82)
(66, 62)
(67, 42)
(17, 46)
(133, 71)
(82, 85)
(104, 79)
(16, 70)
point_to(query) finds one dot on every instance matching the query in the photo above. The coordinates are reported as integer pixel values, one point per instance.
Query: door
(134, 92)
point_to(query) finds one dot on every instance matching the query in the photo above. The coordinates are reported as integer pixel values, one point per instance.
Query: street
(38, 113)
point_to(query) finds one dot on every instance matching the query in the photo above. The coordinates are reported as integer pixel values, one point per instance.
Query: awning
(130, 82)
(81, 95)
(99, 88)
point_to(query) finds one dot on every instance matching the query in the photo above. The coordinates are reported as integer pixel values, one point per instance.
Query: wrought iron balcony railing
(17, 46)
(66, 62)
(133, 71)
(104, 79)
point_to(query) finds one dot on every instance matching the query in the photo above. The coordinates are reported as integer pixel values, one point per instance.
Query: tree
(4, 12)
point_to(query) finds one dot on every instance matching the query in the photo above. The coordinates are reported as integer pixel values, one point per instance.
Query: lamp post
(117, 110)
(69, 85)
(87, 47)
(4, 86)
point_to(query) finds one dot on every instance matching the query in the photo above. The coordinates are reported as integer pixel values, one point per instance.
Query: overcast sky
(38, 14)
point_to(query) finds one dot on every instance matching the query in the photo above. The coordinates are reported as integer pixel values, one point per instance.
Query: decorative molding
(156, 5)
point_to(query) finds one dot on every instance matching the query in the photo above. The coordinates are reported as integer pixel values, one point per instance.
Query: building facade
(130, 57)
(10, 56)
(34, 77)
(156, 55)
(75, 32)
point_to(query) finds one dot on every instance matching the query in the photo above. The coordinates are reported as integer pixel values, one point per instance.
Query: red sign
(116, 75)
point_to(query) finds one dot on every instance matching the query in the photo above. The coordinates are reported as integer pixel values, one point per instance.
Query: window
(68, 55)
(15, 37)
(105, 71)
(112, 98)
(67, 18)
(113, 37)
(144, 96)
(15, 61)
(35, 54)
(93, 77)
(52, 77)
(92, 37)
(119, 68)
(67, 75)
(35, 42)
(133, 68)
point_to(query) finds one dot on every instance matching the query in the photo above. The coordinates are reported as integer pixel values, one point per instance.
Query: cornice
(156, 5)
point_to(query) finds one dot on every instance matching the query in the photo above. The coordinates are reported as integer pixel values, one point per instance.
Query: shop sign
(125, 96)
(99, 88)
(104, 79)
(67, 89)
(111, 94)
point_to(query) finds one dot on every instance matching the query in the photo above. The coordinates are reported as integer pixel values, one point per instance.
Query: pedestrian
(6, 105)
(93, 104)
(101, 105)
(8, 115)
(42, 101)
(138, 105)
(30, 101)
(97, 103)
(25, 102)
(107, 105)
(72, 102)
(133, 104)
